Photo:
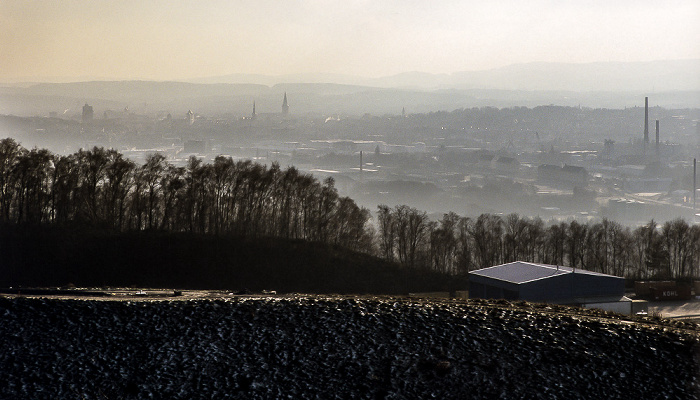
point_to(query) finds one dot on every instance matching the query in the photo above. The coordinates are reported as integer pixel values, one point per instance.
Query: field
(299, 346)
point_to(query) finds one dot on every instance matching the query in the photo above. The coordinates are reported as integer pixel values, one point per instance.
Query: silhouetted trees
(456, 245)
(444, 244)
(99, 187)
(386, 232)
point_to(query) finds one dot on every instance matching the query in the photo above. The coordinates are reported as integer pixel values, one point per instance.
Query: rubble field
(304, 346)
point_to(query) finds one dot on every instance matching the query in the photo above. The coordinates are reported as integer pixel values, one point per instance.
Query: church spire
(285, 105)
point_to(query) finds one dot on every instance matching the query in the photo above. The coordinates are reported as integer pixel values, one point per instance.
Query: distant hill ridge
(663, 75)
(670, 84)
(660, 75)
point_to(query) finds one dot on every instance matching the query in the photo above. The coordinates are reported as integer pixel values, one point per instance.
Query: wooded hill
(238, 202)
(55, 256)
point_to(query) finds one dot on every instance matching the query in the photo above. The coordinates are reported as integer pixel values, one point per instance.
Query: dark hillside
(87, 257)
(333, 347)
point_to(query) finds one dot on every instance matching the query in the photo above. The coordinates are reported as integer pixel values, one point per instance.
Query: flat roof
(522, 272)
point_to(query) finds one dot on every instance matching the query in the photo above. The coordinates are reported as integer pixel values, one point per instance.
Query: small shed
(543, 283)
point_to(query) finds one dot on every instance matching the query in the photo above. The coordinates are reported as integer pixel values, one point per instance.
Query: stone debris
(332, 347)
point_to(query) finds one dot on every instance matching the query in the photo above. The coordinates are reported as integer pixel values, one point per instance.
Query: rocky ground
(337, 347)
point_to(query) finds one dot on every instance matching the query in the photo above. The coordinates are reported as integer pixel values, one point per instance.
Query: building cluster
(558, 162)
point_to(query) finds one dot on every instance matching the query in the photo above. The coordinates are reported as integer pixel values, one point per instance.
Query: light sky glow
(163, 40)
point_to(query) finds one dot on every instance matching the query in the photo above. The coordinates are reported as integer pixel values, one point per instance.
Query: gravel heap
(332, 347)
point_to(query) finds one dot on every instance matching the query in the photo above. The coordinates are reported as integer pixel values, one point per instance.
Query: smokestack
(695, 168)
(657, 137)
(646, 121)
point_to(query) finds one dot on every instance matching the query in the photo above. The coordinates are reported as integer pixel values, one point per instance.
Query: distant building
(567, 176)
(609, 149)
(88, 113)
(551, 284)
(285, 105)
(276, 118)
(543, 283)
(578, 176)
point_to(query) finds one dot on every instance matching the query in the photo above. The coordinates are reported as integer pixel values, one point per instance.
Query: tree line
(101, 188)
(456, 245)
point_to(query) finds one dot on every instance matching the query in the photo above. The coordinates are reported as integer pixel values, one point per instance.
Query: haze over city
(434, 94)
(159, 40)
(359, 199)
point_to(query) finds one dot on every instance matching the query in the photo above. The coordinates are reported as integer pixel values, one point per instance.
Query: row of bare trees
(100, 187)
(456, 245)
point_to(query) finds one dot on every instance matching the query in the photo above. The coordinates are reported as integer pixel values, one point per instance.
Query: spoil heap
(327, 347)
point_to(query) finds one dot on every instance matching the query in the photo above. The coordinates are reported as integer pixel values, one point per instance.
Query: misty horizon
(534, 82)
(156, 41)
(364, 150)
(323, 76)
(647, 76)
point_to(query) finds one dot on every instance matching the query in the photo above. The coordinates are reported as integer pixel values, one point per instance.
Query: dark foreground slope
(311, 347)
(54, 256)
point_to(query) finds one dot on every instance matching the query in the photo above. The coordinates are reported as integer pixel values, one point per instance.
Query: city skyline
(155, 40)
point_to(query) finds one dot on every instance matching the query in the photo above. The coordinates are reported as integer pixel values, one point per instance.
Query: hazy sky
(142, 39)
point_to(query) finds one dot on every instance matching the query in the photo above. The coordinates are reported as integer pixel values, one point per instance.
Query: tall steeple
(285, 105)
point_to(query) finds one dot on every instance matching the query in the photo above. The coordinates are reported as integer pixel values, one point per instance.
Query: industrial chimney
(646, 121)
(657, 138)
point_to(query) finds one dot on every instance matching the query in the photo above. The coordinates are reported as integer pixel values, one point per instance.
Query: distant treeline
(99, 188)
(456, 245)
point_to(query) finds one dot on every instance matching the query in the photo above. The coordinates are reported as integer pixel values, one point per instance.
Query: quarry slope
(337, 347)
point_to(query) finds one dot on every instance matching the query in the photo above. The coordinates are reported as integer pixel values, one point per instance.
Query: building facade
(543, 283)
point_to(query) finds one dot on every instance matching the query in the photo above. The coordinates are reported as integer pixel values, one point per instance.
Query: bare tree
(444, 244)
(465, 246)
(411, 228)
(676, 238)
(119, 176)
(575, 243)
(387, 231)
(487, 233)
(515, 234)
(10, 153)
